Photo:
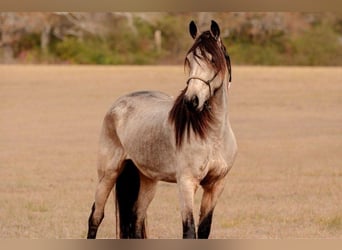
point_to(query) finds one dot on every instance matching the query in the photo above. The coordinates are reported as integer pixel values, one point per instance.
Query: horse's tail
(126, 193)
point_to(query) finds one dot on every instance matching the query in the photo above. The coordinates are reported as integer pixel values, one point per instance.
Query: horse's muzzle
(191, 103)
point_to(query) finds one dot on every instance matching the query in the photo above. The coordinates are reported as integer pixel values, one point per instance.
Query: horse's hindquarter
(142, 127)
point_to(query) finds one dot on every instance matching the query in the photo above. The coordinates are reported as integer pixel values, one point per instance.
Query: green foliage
(317, 46)
(175, 34)
(90, 51)
(122, 46)
(26, 43)
(247, 53)
(320, 44)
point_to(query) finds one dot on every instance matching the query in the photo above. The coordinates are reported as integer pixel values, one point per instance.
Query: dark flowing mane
(199, 122)
(184, 119)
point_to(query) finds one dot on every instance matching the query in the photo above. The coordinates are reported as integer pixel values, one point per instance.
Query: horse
(147, 137)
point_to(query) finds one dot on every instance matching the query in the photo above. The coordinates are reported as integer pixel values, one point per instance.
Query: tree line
(270, 38)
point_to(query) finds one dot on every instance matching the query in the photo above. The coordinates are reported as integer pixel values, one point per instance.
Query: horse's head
(208, 64)
(209, 68)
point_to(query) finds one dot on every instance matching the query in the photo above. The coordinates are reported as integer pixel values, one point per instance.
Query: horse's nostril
(194, 101)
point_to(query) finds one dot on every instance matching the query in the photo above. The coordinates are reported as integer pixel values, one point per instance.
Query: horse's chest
(208, 163)
(215, 169)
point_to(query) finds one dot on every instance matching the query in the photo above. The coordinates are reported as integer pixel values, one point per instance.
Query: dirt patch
(286, 183)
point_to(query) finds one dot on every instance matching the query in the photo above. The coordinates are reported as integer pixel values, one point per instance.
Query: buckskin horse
(149, 137)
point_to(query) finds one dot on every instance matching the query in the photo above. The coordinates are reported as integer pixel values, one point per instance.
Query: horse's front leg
(187, 189)
(211, 193)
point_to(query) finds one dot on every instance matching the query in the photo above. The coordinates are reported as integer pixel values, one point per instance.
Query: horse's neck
(221, 108)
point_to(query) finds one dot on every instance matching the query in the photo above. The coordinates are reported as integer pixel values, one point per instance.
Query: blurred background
(270, 38)
(286, 182)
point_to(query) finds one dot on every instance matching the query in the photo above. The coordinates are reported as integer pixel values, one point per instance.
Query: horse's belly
(155, 173)
(151, 150)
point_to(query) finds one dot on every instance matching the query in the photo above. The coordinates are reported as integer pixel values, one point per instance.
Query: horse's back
(148, 95)
(140, 106)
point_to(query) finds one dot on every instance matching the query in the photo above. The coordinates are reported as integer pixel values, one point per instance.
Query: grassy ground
(286, 183)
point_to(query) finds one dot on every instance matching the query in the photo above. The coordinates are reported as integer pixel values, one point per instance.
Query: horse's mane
(184, 120)
(207, 43)
(199, 121)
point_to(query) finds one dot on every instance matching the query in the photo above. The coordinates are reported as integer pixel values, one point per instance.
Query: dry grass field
(286, 182)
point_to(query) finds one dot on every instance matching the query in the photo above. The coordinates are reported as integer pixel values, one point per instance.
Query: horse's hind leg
(146, 194)
(110, 161)
(133, 193)
(103, 189)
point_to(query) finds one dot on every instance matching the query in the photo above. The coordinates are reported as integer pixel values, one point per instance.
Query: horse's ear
(215, 29)
(193, 29)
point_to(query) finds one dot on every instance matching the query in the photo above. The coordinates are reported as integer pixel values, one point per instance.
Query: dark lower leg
(140, 232)
(189, 230)
(205, 226)
(211, 193)
(92, 224)
(133, 229)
